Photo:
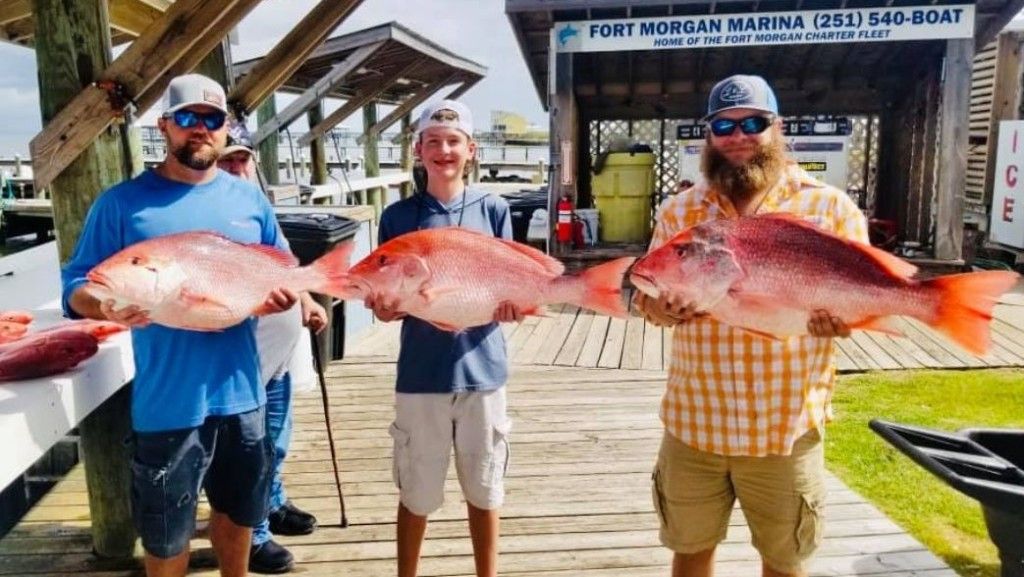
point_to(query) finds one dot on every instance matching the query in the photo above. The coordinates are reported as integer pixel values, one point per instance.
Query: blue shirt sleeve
(271, 234)
(384, 232)
(504, 223)
(102, 236)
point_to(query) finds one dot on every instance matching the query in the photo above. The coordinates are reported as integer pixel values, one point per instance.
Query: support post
(371, 162)
(317, 150)
(72, 50)
(563, 142)
(956, 91)
(406, 135)
(269, 162)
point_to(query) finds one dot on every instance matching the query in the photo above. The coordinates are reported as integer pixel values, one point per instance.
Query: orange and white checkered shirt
(731, 393)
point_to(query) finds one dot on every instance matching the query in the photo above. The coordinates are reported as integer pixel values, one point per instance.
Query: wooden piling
(317, 150)
(371, 162)
(406, 189)
(269, 163)
(72, 48)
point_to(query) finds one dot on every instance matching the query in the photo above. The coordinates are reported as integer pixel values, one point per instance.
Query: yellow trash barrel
(622, 193)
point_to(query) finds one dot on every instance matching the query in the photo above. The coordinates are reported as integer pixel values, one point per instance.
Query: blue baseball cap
(741, 91)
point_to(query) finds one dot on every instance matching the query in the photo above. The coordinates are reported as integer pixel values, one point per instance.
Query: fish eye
(136, 261)
(382, 260)
(682, 249)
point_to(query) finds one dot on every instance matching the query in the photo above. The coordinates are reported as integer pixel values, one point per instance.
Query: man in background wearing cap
(284, 357)
(197, 398)
(450, 388)
(744, 416)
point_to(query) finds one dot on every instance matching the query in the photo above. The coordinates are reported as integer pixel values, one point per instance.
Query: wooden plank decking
(578, 503)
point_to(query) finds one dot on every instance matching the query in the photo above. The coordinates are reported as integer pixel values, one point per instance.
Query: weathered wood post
(317, 149)
(72, 49)
(371, 161)
(269, 162)
(406, 189)
(956, 92)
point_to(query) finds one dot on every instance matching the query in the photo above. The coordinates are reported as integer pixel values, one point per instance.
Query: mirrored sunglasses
(749, 125)
(190, 119)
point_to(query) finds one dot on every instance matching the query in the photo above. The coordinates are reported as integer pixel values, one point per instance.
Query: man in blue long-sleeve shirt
(197, 398)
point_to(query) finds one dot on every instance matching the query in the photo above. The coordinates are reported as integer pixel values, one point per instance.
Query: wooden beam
(407, 105)
(14, 10)
(172, 45)
(132, 16)
(956, 92)
(290, 53)
(317, 92)
(360, 99)
(997, 23)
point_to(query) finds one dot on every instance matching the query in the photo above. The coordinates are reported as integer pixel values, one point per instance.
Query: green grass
(946, 521)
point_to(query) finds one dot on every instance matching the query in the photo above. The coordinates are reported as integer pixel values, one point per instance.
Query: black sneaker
(270, 558)
(290, 520)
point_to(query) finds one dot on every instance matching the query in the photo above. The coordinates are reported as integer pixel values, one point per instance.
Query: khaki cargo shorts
(782, 498)
(427, 426)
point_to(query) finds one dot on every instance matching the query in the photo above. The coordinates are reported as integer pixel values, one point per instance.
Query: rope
(319, 366)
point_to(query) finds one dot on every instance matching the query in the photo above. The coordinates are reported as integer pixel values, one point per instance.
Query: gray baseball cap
(450, 113)
(741, 91)
(194, 90)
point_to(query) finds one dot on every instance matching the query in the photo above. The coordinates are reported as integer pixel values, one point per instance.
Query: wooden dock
(584, 439)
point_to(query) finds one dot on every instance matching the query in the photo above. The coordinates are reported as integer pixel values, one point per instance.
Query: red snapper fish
(11, 331)
(203, 281)
(455, 278)
(45, 353)
(101, 330)
(768, 273)
(20, 317)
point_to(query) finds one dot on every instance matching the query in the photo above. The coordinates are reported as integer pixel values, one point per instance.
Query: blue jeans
(279, 431)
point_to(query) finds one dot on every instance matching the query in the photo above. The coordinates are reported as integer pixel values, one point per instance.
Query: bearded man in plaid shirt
(744, 416)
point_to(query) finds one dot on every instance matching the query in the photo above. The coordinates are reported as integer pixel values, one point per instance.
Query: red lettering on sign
(1011, 175)
(1008, 209)
(1014, 141)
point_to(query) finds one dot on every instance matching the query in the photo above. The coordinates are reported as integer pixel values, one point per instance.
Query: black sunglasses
(749, 125)
(190, 119)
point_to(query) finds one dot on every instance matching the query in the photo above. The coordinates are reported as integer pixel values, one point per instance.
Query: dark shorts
(228, 456)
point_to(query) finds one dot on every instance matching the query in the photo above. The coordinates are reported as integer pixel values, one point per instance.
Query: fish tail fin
(602, 287)
(965, 305)
(332, 271)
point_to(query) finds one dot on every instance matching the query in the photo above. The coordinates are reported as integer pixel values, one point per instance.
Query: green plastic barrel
(622, 193)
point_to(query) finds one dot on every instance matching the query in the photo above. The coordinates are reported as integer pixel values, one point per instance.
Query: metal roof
(420, 61)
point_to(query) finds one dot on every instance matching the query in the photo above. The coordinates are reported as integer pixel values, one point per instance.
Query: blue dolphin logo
(566, 33)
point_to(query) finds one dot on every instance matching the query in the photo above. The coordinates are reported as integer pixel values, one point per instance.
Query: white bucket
(538, 229)
(590, 224)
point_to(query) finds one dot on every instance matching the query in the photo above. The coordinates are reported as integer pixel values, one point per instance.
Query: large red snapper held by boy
(455, 278)
(768, 273)
(45, 353)
(203, 281)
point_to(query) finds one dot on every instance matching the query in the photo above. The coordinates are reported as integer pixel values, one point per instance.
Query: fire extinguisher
(564, 219)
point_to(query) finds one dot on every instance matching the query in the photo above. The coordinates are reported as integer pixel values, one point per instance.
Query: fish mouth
(645, 283)
(99, 279)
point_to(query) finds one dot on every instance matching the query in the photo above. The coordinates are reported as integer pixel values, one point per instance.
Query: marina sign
(766, 28)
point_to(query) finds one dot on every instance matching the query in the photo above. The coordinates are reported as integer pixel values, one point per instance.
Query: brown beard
(747, 180)
(190, 155)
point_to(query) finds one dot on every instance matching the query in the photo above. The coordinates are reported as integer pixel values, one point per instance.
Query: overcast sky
(475, 29)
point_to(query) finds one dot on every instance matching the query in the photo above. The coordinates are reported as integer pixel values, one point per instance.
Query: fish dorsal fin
(281, 257)
(549, 263)
(890, 262)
